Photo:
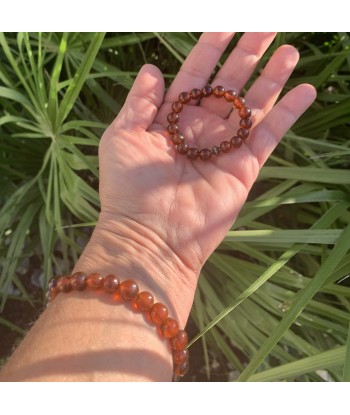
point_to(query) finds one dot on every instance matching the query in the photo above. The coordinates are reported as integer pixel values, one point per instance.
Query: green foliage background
(276, 292)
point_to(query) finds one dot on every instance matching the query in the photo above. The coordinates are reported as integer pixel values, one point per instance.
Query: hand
(176, 209)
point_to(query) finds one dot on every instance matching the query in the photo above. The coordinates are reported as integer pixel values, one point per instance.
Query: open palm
(150, 189)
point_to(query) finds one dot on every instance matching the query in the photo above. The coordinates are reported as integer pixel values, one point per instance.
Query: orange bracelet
(143, 302)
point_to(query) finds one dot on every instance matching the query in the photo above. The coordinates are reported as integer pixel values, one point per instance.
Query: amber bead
(219, 91)
(169, 328)
(177, 106)
(128, 289)
(225, 146)
(207, 91)
(173, 128)
(236, 141)
(215, 150)
(184, 97)
(239, 103)
(173, 117)
(64, 285)
(177, 138)
(182, 148)
(245, 123)
(243, 133)
(179, 341)
(180, 356)
(144, 301)
(245, 112)
(196, 94)
(192, 153)
(111, 283)
(230, 95)
(205, 154)
(95, 280)
(78, 281)
(159, 313)
(182, 369)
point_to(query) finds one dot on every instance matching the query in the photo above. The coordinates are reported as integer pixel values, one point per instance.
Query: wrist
(123, 247)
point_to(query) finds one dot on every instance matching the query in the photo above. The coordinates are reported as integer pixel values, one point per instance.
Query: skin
(162, 215)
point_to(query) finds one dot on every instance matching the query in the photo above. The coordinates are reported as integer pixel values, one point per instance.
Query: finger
(238, 68)
(143, 100)
(264, 92)
(197, 68)
(277, 122)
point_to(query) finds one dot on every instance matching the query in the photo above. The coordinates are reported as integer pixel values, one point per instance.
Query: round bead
(184, 97)
(182, 148)
(205, 154)
(245, 112)
(182, 369)
(243, 133)
(207, 91)
(169, 328)
(144, 301)
(111, 283)
(196, 94)
(177, 138)
(225, 146)
(237, 103)
(128, 289)
(177, 106)
(173, 117)
(52, 284)
(180, 356)
(158, 313)
(173, 128)
(219, 91)
(95, 280)
(78, 281)
(192, 153)
(230, 95)
(179, 341)
(236, 141)
(64, 285)
(245, 123)
(215, 150)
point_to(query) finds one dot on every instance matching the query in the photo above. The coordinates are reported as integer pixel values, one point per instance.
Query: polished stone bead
(182, 148)
(144, 301)
(78, 281)
(111, 283)
(205, 154)
(184, 97)
(177, 138)
(173, 118)
(179, 341)
(238, 103)
(128, 289)
(230, 95)
(64, 285)
(173, 128)
(196, 94)
(243, 133)
(95, 280)
(219, 91)
(180, 356)
(159, 313)
(52, 284)
(192, 153)
(177, 106)
(182, 369)
(225, 146)
(244, 112)
(169, 328)
(207, 91)
(236, 141)
(245, 123)
(215, 150)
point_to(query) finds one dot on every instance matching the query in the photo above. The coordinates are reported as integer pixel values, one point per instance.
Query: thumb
(143, 100)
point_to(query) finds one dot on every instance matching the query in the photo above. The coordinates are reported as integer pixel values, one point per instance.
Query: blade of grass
(346, 373)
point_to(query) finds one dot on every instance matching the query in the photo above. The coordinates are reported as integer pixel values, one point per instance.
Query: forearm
(85, 336)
